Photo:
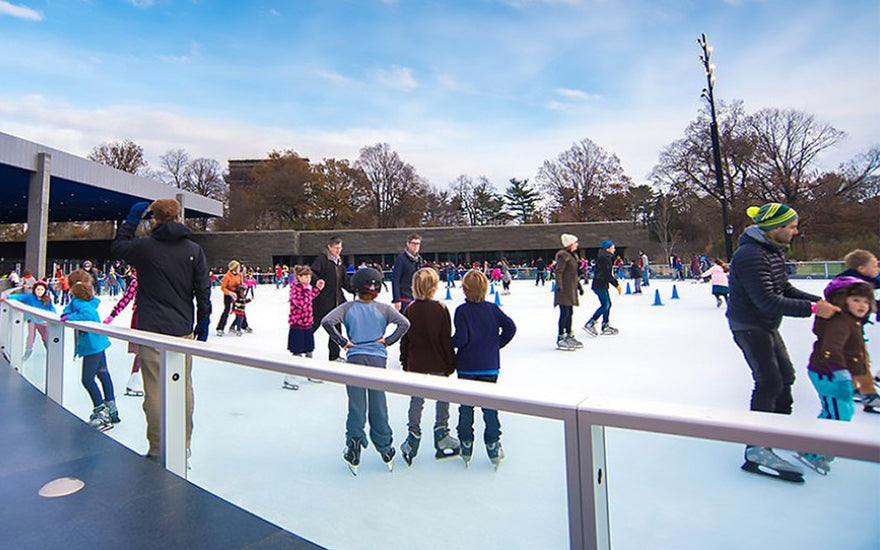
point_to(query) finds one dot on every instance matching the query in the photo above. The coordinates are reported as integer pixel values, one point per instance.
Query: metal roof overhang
(81, 190)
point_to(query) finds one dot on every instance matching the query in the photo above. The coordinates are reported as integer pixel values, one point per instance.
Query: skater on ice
(300, 319)
(83, 306)
(405, 265)
(719, 279)
(37, 297)
(365, 343)
(839, 355)
(135, 385)
(760, 295)
(427, 348)
(568, 286)
(328, 267)
(602, 279)
(481, 330)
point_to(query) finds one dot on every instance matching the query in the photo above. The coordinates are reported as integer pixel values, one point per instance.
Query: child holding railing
(38, 298)
(83, 306)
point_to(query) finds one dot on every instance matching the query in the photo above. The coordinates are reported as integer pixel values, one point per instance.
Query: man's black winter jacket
(760, 294)
(171, 271)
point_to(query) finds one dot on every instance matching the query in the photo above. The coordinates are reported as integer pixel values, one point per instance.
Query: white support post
(573, 480)
(594, 484)
(173, 411)
(5, 329)
(16, 339)
(55, 363)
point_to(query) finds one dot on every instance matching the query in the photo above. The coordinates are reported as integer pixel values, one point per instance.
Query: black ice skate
(444, 444)
(467, 452)
(100, 418)
(410, 447)
(495, 452)
(388, 458)
(608, 330)
(871, 403)
(352, 454)
(763, 461)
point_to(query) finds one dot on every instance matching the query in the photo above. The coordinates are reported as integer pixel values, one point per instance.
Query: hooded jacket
(172, 270)
(87, 343)
(760, 294)
(839, 345)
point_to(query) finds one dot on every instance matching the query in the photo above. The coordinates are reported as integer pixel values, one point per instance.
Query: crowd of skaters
(468, 343)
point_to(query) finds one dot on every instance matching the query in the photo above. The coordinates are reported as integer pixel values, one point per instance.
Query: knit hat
(606, 244)
(771, 215)
(568, 240)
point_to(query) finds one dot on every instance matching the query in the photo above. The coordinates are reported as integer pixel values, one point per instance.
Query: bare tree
(395, 191)
(579, 178)
(175, 165)
(124, 155)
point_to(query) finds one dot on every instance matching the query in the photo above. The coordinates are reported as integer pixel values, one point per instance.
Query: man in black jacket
(328, 266)
(760, 295)
(602, 279)
(405, 266)
(172, 271)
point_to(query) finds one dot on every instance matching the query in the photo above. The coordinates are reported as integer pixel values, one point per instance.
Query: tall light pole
(709, 95)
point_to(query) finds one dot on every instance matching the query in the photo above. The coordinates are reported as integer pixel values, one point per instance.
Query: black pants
(565, 313)
(771, 367)
(227, 304)
(331, 345)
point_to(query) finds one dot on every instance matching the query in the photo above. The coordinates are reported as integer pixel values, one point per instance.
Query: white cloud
(334, 77)
(22, 12)
(577, 94)
(399, 78)
(142, 3)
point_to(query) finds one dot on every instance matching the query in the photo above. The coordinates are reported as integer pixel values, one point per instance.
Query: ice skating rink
(278, 453)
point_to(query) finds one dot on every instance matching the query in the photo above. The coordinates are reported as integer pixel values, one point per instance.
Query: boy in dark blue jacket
(481, 330)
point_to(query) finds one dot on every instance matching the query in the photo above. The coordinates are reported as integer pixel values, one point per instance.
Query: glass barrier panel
(33, 359)
(673, 492)
(279, 454)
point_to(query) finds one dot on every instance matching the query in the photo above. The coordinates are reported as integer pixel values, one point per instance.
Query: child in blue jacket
(83, 306)
(38, 298)
(481, 330)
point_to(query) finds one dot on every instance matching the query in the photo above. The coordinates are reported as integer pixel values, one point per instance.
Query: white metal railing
(584, 418)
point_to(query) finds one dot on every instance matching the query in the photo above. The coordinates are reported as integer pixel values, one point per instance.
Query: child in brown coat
(838, 354)
(427, 349)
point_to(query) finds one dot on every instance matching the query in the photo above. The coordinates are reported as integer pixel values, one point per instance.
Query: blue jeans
(492, 432)
(604, 310)
(363, 405)
(96, 365)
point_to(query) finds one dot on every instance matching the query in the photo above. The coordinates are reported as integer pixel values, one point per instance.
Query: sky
(476, 87)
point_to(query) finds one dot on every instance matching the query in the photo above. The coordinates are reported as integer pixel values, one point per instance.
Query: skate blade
(446, 453)
(104, 427)
(496, 464)
(872, 410)
(811, 466)
(289, 387)
(390, 466)
(351, 468)
(791, 477)
(133, 393)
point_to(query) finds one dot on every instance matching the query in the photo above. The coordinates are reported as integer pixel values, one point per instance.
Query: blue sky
(482, 87)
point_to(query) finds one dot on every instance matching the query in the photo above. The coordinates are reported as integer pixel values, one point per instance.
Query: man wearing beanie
(566, 294)
(603, 277)
(760, 295)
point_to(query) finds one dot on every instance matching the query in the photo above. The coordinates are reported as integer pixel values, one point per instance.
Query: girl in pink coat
(300, 338)
(718, 272)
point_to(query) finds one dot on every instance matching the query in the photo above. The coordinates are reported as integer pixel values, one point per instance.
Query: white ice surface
(277, 453)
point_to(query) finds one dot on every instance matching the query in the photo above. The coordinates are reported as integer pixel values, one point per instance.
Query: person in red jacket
(427, 349)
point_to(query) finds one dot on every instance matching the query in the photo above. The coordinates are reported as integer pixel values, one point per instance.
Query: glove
(201, 330)
(136, 213)
(619, 290)
(108, 320)
(64, 318)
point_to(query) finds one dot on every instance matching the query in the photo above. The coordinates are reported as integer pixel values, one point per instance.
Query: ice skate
(577, 344)
(290, 383)
(410, 447)
(563, 344)
(590, 327)
(608, 330)
(467, 452)
(99, 419)
(388, 458)
(135, 386)
(112, 412)
(248, 330)
(495, 452)
(871, 403)
(820, 464)
(220, 332)
(444, 444)
(763, 461)
(27, 354)
(316, 381)
(352, 454)
(718, 301)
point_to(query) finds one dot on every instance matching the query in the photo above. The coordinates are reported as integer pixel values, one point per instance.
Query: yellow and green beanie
(771, 215)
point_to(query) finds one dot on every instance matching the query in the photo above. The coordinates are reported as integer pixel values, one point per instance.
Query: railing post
(5, 329)
(573, 480)
(594, 484)
(55, 362)
(172, 372)
(16, 338)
